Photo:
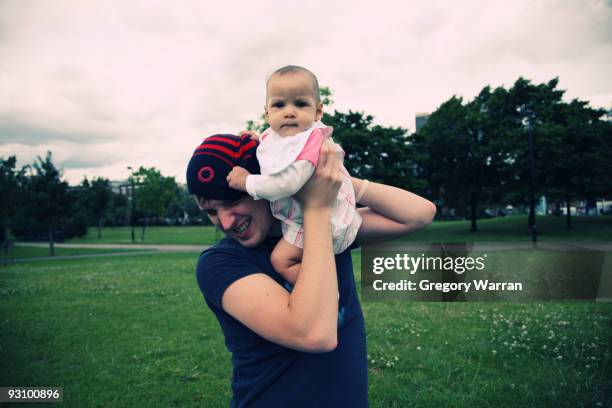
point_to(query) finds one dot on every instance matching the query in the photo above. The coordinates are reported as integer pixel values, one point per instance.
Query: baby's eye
(277, 105)
(301, 104)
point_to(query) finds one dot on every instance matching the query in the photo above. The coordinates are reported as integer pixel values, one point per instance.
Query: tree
(535, 137)
(326, 94)
(583, 168)
(11, 181)
(48, 199)
(462, 152)
(96, 199)
(185, 209)
(153, 194)
(372, 152)
(446, 143)
(570, 144)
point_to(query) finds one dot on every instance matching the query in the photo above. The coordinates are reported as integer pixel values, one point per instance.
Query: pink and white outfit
(286, 164)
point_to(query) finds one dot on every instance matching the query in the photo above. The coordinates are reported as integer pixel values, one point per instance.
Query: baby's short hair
(294, 69)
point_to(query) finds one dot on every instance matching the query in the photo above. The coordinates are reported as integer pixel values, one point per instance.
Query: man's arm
(390, 212)
(305, 319)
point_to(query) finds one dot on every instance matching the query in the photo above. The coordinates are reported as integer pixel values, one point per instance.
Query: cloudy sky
(108, 84)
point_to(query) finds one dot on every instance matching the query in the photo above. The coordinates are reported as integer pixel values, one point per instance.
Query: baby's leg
(286, 260)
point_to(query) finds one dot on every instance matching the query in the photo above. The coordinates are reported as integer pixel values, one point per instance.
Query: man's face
(291, 107)
(245, 220)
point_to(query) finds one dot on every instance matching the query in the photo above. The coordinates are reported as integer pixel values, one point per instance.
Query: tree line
(469, 156)
(475, 154)
(37, 204)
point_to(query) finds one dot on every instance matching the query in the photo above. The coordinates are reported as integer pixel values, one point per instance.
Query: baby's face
(291, 106)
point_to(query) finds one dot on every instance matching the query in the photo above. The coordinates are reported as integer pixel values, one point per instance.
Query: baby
(287, 155)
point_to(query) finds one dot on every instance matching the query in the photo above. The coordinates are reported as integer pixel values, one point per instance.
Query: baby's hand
(251, 133)
(237, 178)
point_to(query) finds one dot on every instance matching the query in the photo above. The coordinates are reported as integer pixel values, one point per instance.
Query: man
(304, 346)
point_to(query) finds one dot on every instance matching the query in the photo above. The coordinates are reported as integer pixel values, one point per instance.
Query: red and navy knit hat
(212, 161)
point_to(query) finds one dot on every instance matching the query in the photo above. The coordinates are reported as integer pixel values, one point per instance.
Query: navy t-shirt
(267, 374)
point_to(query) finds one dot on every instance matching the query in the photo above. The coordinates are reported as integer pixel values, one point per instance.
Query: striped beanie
(212, 161)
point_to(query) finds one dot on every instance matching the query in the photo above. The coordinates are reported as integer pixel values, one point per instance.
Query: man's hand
(322, 188)
(237, 178)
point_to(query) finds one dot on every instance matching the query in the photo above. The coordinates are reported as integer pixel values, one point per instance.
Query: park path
(150, 248)
(157, 248)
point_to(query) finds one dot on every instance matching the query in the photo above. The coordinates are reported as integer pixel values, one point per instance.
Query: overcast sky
(108, 84)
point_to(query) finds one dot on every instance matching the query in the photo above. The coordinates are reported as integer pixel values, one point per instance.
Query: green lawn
(191, 235)
(508, 229)
(134, 331)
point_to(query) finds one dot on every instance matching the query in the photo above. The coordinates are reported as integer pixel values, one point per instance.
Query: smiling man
(303, 347)
(287, 348)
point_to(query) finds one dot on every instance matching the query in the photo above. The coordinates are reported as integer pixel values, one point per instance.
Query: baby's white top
(276, 153)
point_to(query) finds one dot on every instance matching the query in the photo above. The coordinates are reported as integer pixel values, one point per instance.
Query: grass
(489, 355)
(112, 332)
(508, 229)
(514, 229)
(20, 252)
(134, 331)
(189, 235)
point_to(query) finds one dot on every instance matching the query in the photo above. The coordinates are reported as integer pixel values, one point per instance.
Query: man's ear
(319, 114)
(199, 201)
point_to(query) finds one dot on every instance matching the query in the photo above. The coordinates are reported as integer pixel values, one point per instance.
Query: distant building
(421, 119)
(117, 185)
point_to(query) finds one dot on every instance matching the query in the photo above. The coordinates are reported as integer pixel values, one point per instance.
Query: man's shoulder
(229, 255)
(222, 245)
(226, 248)
(221, 265)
